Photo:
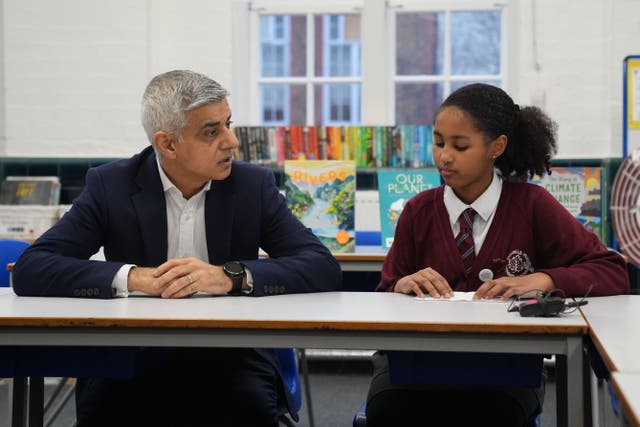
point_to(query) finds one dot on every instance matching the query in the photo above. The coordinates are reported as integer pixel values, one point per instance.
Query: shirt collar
(484, 205)
(168, 185)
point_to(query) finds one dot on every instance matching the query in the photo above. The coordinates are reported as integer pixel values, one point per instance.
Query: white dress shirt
(186, 233)
(485, 206)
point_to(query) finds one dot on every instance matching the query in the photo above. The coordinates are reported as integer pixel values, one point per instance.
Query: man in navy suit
(178, 218)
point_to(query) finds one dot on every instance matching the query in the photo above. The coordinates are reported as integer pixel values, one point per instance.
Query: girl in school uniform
(486, 217)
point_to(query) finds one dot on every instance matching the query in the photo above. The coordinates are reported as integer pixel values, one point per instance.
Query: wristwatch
(235, 271)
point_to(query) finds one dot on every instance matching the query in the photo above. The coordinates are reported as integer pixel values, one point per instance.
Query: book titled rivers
(321, 194)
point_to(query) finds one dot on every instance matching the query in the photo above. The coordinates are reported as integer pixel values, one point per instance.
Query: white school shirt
(485, 206)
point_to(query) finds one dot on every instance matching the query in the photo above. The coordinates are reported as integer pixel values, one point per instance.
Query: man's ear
(164, 144)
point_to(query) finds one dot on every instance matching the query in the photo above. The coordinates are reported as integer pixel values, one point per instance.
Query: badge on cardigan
(518, 264)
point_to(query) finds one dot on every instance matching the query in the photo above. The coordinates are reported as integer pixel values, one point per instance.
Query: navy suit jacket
(122, 208)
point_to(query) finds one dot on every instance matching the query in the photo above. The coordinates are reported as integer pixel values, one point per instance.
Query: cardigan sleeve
(572, 255)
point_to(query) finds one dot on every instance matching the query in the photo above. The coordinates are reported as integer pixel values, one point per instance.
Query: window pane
(475, 42)
(416, 103)
(419, 43)
(283, 45)
(458, 85)
(338, 45)
(283, 104)
(337, 104)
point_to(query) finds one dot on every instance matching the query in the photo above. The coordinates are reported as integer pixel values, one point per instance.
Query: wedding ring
(190, 278)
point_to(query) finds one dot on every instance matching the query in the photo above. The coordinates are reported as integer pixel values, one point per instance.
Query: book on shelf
(405, 146)
(321, 194)
(396, 187)
(30, 190)
(579, 189)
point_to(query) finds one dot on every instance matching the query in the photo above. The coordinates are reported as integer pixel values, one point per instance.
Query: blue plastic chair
(288, 359)
(10, 250)
(289, 369)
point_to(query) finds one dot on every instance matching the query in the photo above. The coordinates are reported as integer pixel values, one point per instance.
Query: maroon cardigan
(531, 231)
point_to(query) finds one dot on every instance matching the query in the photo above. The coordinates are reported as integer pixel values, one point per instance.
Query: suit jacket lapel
(150, 206)
(218, 217)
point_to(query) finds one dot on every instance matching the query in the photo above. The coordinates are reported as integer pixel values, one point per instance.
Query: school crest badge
(518, 264)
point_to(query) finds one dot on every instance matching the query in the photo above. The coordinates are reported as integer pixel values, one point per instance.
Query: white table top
(338, 320)
(332, 310)
(614, 324)
(627, 387)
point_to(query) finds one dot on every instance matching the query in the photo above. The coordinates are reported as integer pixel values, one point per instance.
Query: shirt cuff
(119, 283)
(249, 282)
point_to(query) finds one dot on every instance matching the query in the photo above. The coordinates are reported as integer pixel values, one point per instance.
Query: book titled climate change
(396, 187)
(579, 190)
(321, 193)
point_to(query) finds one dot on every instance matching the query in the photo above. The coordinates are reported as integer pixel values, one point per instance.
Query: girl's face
(463, 154)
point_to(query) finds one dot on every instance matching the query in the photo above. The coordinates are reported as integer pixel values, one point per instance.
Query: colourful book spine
(417, 149)
(281, 145)
(323, 143)
(273, 148)
(297, 142)
(312, 141)
(378, 146)
(335, 143)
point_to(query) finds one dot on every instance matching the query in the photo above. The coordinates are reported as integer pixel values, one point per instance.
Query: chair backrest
(10, 250)
(289, 369)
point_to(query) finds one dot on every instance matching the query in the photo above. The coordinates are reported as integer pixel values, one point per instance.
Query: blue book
(396, 187)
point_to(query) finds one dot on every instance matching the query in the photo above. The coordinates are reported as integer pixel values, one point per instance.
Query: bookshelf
(72, 171)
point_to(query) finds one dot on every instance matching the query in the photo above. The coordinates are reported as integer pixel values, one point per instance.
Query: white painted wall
(581, 46)
(73, 71)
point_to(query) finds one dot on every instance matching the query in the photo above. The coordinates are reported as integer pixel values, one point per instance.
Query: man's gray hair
(170, 95)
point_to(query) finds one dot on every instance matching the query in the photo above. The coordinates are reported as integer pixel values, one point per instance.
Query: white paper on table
(459, 296)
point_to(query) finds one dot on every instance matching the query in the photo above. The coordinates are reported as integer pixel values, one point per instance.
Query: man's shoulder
(243, 170)
(125, 168)
(245, 167)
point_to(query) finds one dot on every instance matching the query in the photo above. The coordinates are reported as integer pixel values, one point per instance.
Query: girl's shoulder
(428, 200)
(530, 197)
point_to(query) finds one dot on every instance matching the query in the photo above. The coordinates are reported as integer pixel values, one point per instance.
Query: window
(309, 69)
(437, 52)
(308, 63)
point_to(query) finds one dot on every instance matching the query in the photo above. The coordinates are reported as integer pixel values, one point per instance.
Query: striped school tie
(464, 239)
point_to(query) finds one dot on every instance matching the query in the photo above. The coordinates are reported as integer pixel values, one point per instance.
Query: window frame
(446, 7)
(377, 82)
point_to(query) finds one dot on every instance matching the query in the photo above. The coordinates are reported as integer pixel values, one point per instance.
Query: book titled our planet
(396, 187)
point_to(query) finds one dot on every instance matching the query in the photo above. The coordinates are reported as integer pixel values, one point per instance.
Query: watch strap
(236, 288)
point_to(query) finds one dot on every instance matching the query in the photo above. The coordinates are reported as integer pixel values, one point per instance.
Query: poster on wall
(631, 105)
(633, 93)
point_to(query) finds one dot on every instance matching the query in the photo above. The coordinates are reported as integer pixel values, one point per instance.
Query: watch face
(234, 268)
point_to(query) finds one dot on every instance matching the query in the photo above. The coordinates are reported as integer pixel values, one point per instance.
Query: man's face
(207, 144)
